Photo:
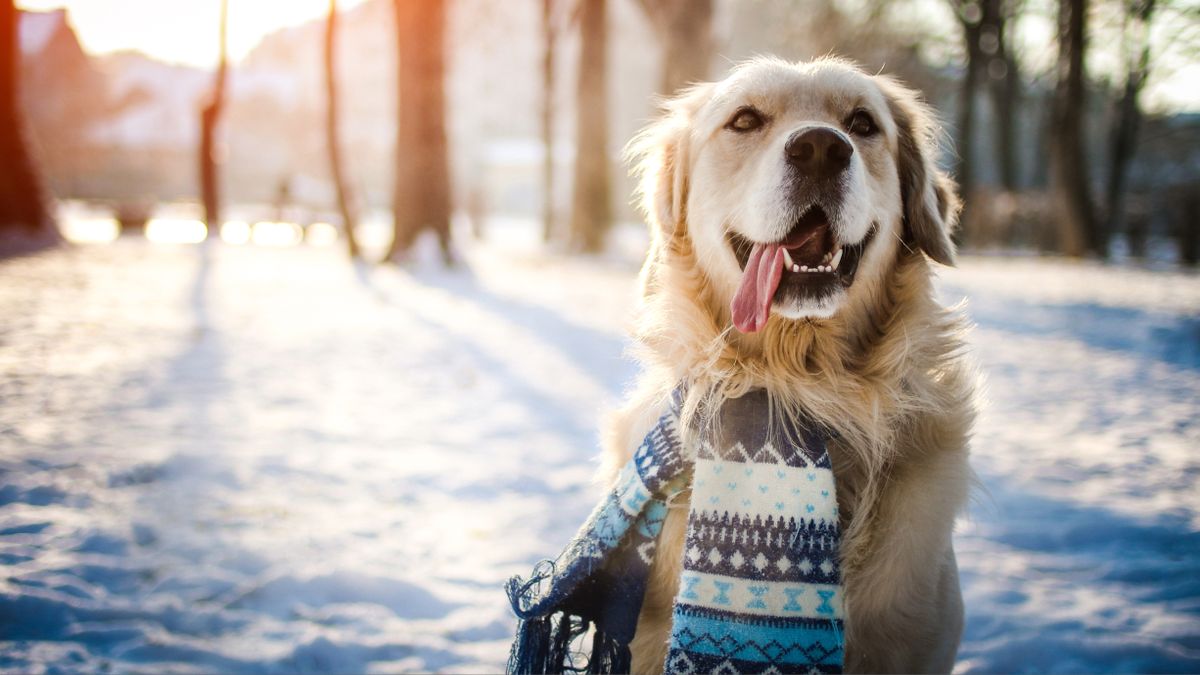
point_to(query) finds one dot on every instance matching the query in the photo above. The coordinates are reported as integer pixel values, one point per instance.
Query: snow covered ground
(251, 459)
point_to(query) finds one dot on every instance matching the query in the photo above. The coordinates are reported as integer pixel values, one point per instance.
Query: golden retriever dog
(795, 211)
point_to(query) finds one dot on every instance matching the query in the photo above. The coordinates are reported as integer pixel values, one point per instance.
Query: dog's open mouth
(809, 261)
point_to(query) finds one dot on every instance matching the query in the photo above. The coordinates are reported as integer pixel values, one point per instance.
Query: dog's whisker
(902, 242)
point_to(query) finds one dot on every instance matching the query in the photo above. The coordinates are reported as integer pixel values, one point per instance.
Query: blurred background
(310, 312)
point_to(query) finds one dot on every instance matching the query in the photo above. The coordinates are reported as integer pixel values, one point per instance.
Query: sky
(180, 31)
(185, 31)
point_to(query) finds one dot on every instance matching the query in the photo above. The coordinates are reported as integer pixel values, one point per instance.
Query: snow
(250, 459)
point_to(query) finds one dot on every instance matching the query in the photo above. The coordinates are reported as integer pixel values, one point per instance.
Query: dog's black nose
(818, 152)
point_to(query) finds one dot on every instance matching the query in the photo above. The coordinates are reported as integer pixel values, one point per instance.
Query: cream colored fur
(886, 370)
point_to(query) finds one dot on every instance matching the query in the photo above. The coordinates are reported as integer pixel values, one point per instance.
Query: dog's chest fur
(898, 493)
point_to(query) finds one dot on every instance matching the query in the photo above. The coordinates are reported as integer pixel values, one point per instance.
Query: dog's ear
(931, 203)
(659, 158)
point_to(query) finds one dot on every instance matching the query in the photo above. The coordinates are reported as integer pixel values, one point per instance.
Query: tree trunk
(684, 29)
(1068, 165)
(1004, 85)
(988, 57)
(1129, 113)
(422, 193)
(333, 142)
(24, 202)
(549, 38)
(210, 115)
(969, 17)
(1039, 175)
(988, 65)
(966, 106)
(591, 208)
(1188, 227)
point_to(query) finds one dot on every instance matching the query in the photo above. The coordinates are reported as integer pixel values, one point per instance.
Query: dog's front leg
(649, 647)
(904, 605)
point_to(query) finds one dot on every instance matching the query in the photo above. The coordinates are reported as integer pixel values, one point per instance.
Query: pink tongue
(752, 304)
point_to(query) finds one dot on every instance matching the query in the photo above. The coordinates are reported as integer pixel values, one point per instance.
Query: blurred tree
(990, 60)
(1137, 17)
(210, 115)
(549, 41)
(1069, 182)
(684, 28)
(880, 35)
(1188, 225)
(24, 207)
(970, 16)
(591, 208)
(422, 194)
(1004, 86)
(344, 199)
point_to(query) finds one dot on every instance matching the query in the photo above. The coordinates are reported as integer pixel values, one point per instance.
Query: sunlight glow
(90, 230)
(176, 231)
(321, 234)
(235, 232)
(180, 32)
(269, 233)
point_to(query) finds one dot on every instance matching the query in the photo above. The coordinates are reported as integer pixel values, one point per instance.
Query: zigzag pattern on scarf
(724, 653)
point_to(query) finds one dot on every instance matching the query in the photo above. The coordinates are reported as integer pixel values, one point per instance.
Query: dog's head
(793, 186)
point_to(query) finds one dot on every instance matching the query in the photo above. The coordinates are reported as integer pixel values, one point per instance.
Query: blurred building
(63, 95)
(147, 141)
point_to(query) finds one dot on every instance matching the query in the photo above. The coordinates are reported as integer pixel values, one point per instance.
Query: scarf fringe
(609, 655)
(543, 645)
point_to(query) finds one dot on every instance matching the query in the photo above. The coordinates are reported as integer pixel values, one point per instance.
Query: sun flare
(180, 32)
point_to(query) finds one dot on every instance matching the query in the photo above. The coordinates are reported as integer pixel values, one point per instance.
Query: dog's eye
(861, 123)
(745, 119)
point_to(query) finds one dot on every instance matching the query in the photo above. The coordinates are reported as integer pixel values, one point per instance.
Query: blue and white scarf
(760, 589)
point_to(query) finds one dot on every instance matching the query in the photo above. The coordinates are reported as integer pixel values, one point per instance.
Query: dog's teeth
(795, 268)
(804, 268)
(837, 259)
(787, 259)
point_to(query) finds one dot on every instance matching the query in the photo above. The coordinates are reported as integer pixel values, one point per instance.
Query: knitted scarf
(760, 587)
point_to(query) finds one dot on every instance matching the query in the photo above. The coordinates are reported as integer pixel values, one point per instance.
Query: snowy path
(248, 459)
